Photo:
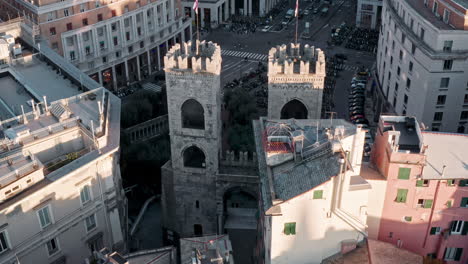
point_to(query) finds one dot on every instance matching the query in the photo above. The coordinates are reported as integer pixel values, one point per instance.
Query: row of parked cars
(357, 97)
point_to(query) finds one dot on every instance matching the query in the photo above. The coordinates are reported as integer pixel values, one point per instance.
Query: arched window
(294, 109)
(194, 157)
(193, 115)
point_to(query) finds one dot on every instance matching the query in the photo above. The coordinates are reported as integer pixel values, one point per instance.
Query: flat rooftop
(12, 96)
(426, 13)
(409, 139)
(446, 155)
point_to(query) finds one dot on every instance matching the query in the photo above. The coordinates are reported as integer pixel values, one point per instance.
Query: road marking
(244, 54)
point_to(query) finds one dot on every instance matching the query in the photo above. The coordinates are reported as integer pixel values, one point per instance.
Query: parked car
(315, 10)
(357, 117)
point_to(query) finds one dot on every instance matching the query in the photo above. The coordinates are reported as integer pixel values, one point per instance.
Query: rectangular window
(52, 246)
(408, 218)
(422, 183)
(52, 31)
(401, 195)
(401, 54)
(114, 13)
(117, 54)
(403, 38)
(99, 17)
(453, 254)
(87, 50)
(464, 202)
(441, 99)
(446, 16)
(127, 35)
(318, 194)
(139, 31)
(82, 8)
(465, 99)
(463, 116)
(435, 7)
(90, 222)
(142, 44)
(404, 173)
(413, 48)
(126, 8)
(456, 227)
(289, 228)
(408, 83)
(448, 64)
(435, 230)
(97, 4)
(438, 116)
(85, 21)
(405, 99)
(66, 12)
(448, 45)
(116, 41)
(114, 26)
(444, 82)
(3, 241)
(410, 67)
(449, 204)
(450, 182)
(398, 71)
(45, 218)
(85, 194)
(69, 26)
(54, 45)
(391, 60)
(421, 33)
(102, 44)
(72, 55)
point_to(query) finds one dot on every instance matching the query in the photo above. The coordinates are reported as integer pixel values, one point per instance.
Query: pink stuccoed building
(425, 209)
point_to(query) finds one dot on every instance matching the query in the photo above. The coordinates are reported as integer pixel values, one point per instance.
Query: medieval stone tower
(194, 107)
(296, 79)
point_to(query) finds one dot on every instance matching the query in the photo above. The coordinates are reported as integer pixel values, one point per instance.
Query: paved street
(236, 47)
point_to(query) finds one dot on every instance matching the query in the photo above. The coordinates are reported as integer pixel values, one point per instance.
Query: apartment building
(422, 62)
(369, 13)
(61, 196)
(114, 42)
(313, 201)
(425, 206)
(213, 13)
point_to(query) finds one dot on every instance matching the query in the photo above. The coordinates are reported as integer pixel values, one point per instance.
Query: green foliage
(142, 106)
(240, 138)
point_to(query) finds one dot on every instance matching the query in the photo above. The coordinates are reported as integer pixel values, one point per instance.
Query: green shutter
(419, 183)
(404, 173)
(450, 182)
(464, 202)
(433, 230)
(293, 228)
(318, 194)
(465, 228)
(462, 183)
(408, 218)
(401, 195)
(428, 203)
(286, 229)
(458, 254)
(449, 203)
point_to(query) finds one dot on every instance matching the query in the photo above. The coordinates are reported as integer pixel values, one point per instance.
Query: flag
(195, 7)
(297, 8)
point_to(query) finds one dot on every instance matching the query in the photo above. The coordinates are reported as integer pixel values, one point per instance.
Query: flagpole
(195, 7)
(297, 17)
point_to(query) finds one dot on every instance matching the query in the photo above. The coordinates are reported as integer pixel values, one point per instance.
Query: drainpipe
(432, 212)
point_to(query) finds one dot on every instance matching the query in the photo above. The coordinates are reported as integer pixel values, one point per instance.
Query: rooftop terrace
(408, 134)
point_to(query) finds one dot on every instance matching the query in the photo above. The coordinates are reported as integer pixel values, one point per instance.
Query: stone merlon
(294, 60)
(206, 57)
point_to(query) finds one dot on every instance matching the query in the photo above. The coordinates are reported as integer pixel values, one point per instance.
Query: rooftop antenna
(443, 170)
(25, 120)
(296, 14)
(195, 8)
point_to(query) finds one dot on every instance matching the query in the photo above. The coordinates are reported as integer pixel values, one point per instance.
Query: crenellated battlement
(204, 57)
(293, 59)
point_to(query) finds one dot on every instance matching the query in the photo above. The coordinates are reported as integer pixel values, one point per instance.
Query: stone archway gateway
(240, 209)
(294, 109)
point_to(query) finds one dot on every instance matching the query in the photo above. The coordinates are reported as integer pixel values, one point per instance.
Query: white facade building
(369, 13)
(313, 201)
(422, 62)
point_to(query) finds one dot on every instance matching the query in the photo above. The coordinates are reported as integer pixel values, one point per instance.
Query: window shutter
(401, 195)
(419, 183)
(462, 183)
(318, 194)
(404, 173)
(293, 228)
(465, 228)
(452, 225)
(433, 230)
(286, 229)
(464, 202)
(428, 203)
(449, 203)
(458, 254)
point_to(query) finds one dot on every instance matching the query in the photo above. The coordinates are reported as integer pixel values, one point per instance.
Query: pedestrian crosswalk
(244, 54)
(351, 68)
